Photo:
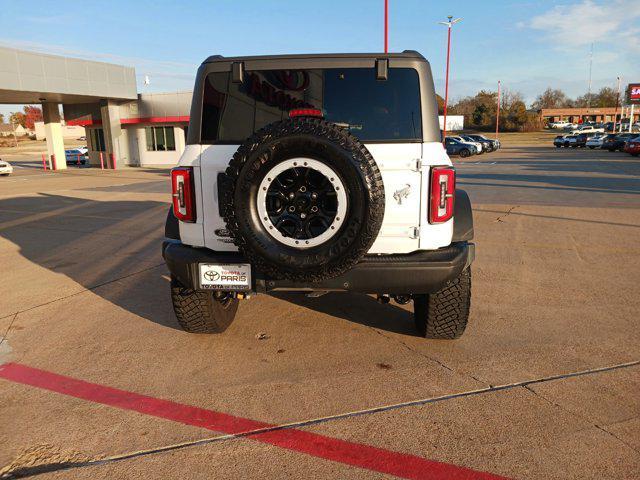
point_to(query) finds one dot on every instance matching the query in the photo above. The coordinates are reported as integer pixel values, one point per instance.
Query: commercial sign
(633, 93)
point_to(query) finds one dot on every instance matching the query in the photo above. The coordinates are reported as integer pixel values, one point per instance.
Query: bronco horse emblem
(402, 193)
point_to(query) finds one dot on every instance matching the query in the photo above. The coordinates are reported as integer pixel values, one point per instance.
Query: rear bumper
(417, 272)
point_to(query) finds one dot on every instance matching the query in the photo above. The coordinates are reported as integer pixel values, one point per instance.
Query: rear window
(372, 110)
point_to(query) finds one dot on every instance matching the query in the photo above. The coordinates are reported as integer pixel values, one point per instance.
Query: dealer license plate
(225, 277)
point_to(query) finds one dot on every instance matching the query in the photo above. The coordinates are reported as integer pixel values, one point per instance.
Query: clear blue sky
(529, 45)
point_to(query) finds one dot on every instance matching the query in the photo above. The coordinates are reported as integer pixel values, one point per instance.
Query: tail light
(443, 186)
(183, 194)
(305, 112)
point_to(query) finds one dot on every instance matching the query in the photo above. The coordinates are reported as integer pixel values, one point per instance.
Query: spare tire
(303, 199)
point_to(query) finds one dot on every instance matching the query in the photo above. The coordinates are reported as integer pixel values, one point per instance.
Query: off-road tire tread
(359, 154)
(200, 312)
(444, 314)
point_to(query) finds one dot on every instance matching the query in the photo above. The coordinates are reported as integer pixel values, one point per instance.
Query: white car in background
(5, 168)
(478, 145)
(558, 124)
(595, 141)
(587, 129)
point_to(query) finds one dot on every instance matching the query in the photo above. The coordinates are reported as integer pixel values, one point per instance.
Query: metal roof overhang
(29, 77)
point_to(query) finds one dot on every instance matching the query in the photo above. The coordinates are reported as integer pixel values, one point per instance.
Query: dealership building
(631, 110)
(151, 129)
(123, 128)
(579, 115)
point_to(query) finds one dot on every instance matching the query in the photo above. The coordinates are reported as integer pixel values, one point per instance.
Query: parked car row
(627, 142)
(467, 145)
(593, 126)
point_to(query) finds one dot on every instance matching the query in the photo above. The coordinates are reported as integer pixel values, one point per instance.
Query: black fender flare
(172, 227)
(462, 217)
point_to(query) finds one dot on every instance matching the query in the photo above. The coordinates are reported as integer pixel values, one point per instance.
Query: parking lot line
(355, 454)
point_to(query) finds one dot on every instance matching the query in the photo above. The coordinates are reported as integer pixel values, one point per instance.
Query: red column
(446, 84)
(386, 26)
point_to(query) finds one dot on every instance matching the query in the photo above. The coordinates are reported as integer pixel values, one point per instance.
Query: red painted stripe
(83, 123)
(132, 121)
(129, 121)
(349, 453)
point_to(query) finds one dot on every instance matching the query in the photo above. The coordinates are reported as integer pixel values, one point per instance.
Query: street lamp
(448, 24)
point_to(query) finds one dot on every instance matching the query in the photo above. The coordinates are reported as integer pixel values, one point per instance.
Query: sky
(528, 45)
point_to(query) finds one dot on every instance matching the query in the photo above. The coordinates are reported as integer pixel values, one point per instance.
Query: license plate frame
(225, 276)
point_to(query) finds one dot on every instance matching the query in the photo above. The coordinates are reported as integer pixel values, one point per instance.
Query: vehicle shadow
(357, 308)
(113, 249)
(109, 247)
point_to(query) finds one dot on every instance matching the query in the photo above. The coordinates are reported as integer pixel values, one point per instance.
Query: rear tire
(444, 314)
(201, 312)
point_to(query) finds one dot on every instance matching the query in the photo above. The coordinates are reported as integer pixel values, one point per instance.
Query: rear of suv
(316, 174)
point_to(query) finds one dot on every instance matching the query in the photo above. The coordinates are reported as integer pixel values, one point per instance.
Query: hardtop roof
(407, 54)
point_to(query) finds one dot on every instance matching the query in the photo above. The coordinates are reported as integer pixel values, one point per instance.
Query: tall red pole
(446, 83)
(386, 26)
(498, 111)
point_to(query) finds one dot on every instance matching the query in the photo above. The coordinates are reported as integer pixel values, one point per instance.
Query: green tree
(440, 102)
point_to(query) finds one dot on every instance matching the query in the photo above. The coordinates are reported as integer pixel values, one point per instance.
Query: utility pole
(448, 24)
(13, 130)
(386, 26)
(498, 111)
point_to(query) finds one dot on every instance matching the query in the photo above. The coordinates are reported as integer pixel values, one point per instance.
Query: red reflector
(443, 186)
(183, 194)
(305, 112)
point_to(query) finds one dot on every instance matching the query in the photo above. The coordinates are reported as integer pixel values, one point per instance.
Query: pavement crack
(89, 289)
(15, 315)
(57, 466)
(424, 355)
(616, 437)
(584, 417)
(506, 214)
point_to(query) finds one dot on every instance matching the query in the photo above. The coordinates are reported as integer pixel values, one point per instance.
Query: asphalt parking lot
(99, 382)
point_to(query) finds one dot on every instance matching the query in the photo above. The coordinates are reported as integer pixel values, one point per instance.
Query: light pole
(615, 114)
(449, 23)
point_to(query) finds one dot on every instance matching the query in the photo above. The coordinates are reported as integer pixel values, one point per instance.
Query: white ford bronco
(315, 174)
